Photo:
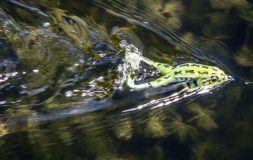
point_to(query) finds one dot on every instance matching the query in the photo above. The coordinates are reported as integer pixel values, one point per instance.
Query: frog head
(214, 78)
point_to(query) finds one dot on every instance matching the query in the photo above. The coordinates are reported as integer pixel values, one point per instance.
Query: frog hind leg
(162, 67)
(162, 81)
(136, 87)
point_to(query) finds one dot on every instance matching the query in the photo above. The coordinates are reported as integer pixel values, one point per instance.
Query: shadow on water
(61, 95)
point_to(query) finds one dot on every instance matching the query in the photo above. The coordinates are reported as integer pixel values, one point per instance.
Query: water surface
(61, 95)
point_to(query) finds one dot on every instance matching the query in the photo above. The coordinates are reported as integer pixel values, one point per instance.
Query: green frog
(195, 75)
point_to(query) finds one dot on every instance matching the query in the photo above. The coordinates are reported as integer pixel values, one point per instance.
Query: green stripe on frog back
(192, 70)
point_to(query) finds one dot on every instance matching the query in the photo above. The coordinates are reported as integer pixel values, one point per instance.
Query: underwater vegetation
(62, 96)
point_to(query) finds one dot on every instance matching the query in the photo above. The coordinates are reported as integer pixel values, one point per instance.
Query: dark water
(61, 95)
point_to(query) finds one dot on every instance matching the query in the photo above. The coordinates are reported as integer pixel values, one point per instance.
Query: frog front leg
(162, 67)
(192, 83)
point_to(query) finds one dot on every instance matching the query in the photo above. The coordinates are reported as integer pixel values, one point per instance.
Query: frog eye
(214, 78)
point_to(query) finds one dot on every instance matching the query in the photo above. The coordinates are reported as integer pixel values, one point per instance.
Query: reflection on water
(60, 80)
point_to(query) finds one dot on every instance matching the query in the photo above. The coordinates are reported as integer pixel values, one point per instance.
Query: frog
(195, 75)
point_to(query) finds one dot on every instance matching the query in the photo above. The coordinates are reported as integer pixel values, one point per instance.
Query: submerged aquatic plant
(244, 57)
(182, 129)
(123, 129)
(73, 26)
(155, 127)
(3, 129)
(228, 4)
(202, 117)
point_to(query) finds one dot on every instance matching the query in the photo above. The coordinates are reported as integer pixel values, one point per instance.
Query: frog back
(193, 70)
